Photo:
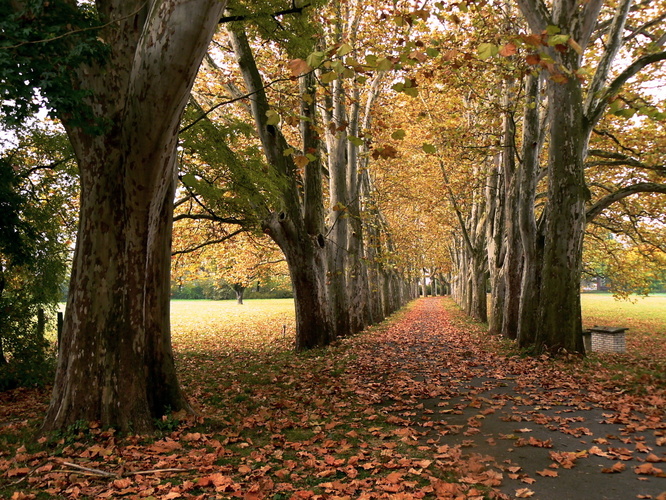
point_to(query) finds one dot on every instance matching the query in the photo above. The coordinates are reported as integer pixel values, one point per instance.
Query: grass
(640, 314)
(643, 367)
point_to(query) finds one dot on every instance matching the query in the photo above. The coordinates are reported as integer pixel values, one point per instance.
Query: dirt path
(536, 429)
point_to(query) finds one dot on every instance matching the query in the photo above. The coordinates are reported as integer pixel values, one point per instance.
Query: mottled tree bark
(115, 364)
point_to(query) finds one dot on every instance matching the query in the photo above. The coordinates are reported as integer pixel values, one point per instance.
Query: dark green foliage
(233, 182)
(41, 48)
(37, 186)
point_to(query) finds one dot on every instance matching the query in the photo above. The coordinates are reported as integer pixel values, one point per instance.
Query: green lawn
(645, 314)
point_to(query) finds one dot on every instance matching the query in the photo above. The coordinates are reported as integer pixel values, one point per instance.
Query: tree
(118, 304)
(567, 30)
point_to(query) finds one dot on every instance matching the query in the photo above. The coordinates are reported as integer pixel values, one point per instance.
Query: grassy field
(639, 313)
(644, 316)
(224, 324)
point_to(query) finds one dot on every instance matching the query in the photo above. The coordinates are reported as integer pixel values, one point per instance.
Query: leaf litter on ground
(425, 405)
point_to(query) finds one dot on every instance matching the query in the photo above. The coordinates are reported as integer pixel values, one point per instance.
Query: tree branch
(536, 13)
(613, 45)
(597, 108)
(606, 201)
(211, 217)
(292, 10)
(206, 243)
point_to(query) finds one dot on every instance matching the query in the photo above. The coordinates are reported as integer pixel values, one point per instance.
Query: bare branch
(606, 201)
(207, 243)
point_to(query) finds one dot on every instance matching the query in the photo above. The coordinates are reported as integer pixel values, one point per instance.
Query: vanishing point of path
(526, 427)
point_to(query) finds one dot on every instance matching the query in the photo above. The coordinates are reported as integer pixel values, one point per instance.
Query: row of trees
(367, 152)
(538, 141)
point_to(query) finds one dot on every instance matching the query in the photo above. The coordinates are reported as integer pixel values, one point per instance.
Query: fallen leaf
(524, 493)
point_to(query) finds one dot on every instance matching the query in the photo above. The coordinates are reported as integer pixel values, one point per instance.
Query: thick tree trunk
(297, 229)
(560, 325)
(360, 313)
(478, 296)
(513, 260)
(338, 215)
(306, 262)
(115, 364)
(495, 246)
(532, 249)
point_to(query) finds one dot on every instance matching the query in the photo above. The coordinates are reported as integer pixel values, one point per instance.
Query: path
(522, 418)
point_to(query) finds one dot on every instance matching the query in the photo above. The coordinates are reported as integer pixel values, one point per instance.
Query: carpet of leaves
(384, 414)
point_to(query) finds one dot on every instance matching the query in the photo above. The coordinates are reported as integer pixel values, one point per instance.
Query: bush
(35, 369)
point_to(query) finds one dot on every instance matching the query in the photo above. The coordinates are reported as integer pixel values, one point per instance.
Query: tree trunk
(307, 266)
(358, 284)
(513, 260)
(117, 312)
(296, 230)
(495, 246)
(240, 291)
(338, 216)
(532, 249)
(560, 325)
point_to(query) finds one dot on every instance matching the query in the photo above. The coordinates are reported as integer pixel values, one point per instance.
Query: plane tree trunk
(298, 227)
(115, 364)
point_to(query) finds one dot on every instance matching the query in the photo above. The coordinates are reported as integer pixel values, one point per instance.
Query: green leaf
(371, 60)
(411, 91)
(626, 113)
(356, 141)
(344, 49)
(384, 64)
(553, 30)
(432, 52)
(337, 66)
(429, 148)
(558, 40)
(273, 118)
(487, 50)
(398, 135)
(328, 77)
(288, 152)
(315, 59)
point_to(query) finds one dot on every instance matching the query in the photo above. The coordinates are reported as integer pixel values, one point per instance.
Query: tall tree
(115, 363)
(567, 30)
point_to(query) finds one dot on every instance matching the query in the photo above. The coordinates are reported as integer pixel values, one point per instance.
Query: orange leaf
(533, 59)
(616, 467)
(547, 473)
(507, 50)
(298, 67)
(649, 469)
(524, 493)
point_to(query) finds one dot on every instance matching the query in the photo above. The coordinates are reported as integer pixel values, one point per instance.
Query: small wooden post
(60, 323)
(41, 322)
